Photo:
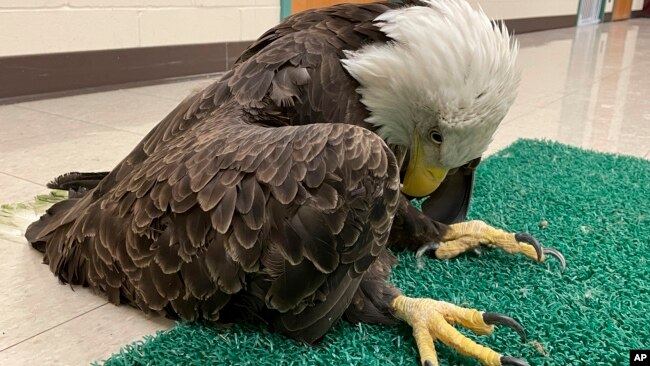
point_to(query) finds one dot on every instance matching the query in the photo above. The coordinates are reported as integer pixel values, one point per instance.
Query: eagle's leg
(471, 235)
(378, 301)
(433, 320)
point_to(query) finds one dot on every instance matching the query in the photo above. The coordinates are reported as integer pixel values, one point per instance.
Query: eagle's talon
(429, 247)
(500, 319)
(433, 321)
(512, 361)
(541, 251)
(529, 239)
(556, 253)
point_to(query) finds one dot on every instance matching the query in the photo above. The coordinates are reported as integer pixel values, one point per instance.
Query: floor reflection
(585, 86)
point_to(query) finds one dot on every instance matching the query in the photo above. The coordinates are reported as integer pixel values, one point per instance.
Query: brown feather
(211, 194)
(282, 297)
(247, 258)
(222, 215)
(244, 235)
(286, 192)
(256, 216)
(166, 253)
(184, 205)
(246, 194)
(168, 285)
(222, 268)
(197, 226)
(153, 299)
(197, 279)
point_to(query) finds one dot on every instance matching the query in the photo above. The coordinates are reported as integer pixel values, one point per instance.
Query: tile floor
(588, 87)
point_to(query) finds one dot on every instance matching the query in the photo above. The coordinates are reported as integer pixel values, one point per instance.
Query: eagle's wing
(292, 72)
(291, 75)
(292, 214)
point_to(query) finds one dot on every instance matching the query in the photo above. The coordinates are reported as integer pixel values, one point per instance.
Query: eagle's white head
(440, 88)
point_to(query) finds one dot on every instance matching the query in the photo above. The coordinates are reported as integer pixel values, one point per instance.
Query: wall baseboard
(39, 76)
(31, 76)
(526, 25)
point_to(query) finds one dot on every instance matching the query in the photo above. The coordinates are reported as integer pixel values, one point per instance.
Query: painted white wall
(515, 9)
(637, 5)
(49, 26)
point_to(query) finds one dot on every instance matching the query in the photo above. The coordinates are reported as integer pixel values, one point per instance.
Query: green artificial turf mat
(598, 211)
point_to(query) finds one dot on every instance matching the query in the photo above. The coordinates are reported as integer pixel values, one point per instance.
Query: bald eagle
(275, 192)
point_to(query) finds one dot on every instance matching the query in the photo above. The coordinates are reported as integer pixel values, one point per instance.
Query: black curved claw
(556, 253)
(426, 248)
(512, 361)
(527, 238)
(500, 319)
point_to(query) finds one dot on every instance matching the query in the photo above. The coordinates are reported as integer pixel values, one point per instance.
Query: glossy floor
(588, 87)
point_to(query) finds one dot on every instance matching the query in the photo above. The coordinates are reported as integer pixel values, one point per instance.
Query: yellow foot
(433, 320)
(471, 235)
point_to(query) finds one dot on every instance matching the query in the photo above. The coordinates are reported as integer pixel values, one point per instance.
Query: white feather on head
(448, 63)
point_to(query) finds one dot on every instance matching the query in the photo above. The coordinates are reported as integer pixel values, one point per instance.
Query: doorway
(590, 12)
(300, 5)
(622, 10)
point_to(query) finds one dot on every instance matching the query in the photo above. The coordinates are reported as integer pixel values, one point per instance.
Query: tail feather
(15, 218)
(46, 222)
(54, 217)
(21, 220)
(75, 181)
(49, 235)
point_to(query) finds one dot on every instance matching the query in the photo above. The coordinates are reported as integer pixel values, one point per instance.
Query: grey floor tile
(174, 91)
(114, 109)
(92, 149)
(85, 338)
(30, 291)
(23, 124)
(18, 190)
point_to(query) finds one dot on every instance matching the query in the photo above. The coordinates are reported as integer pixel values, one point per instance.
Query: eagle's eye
(435, 136)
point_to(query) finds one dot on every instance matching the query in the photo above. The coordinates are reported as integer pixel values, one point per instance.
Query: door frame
(285, 8)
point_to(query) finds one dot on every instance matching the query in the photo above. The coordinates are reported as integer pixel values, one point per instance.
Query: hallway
(587, 87)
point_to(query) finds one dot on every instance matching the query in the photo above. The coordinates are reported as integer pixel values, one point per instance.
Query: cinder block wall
(49, 26)
(517, 9)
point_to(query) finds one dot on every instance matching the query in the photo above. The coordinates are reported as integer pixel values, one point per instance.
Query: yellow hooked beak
(421, 180)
